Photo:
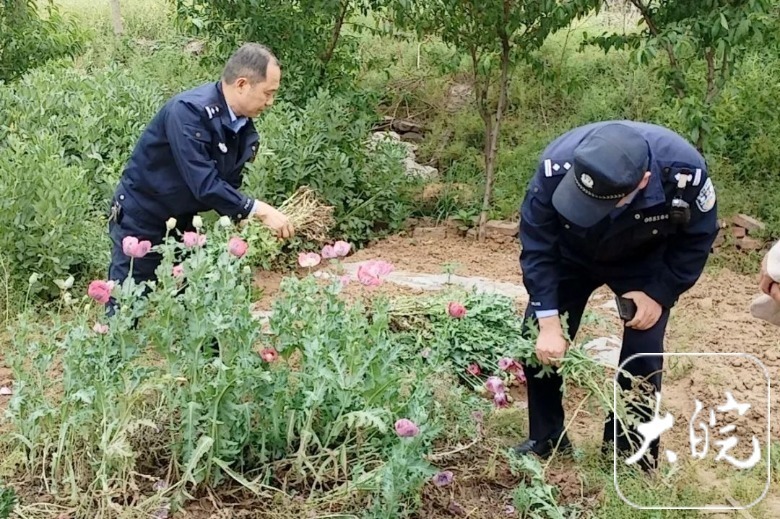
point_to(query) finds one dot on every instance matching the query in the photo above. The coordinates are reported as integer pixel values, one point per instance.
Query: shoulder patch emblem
(706, 199)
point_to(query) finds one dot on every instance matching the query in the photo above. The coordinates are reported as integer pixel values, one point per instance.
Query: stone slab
(424, 281)
(605, 349)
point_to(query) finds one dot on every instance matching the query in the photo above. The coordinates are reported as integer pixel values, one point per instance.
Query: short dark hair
(250, 60)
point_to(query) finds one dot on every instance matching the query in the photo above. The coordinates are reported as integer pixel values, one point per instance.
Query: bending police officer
(621, 203)
(190, 159)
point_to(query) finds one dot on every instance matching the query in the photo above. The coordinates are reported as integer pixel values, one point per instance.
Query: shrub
(50, 226)
(28, 40)
(325, 145)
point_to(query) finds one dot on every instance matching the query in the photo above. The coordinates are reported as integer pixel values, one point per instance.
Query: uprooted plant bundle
(311, 218)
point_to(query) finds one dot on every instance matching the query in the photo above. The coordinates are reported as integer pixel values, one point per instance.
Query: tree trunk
(116, 18)
(334, 39)
(492, 135)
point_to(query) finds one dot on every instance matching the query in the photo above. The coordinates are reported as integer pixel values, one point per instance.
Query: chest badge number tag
(222, 147)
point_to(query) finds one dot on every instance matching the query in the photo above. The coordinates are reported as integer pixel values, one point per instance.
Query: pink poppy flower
(370, 273)
(308, 259)
(443, 479)
(456, 310)
(100, 291)
(500, 400)
(100, 328)
(237, 247)
(494, 385)
(513, 367)
(518, 372)
(178, 271)
(341, 248)
(134, 248)
(474, 369)
(269, 354)
(328, 252)
(406, 428)
(193, 239)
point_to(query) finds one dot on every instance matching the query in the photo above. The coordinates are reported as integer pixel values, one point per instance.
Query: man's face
(254, 98)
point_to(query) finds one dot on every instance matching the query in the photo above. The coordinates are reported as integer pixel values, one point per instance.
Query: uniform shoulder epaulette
(212, 110)
(554, 167)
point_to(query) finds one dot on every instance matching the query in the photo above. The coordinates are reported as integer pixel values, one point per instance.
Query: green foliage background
(74, 107)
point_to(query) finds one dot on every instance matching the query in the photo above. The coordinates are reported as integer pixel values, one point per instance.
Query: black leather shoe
(544, 449)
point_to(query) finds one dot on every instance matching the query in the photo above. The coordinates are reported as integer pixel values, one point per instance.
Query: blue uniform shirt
(636, 239)
(190, 159)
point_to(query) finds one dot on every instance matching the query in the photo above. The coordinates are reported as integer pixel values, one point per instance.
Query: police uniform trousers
(144, 228)
(546, 415)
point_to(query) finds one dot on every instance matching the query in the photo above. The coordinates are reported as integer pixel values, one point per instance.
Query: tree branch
(334, 39)
(653, 28)
(712, 90)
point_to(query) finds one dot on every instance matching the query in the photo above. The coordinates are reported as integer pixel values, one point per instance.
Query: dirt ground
(713, 317)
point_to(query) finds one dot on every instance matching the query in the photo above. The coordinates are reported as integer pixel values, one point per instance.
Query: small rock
(705, 303)
(750, 244)
(771, 355)
(738, 232)
(194, 47)
(413, 169)
(412, 137)
(6, 391)
(502, 228)
(405, 126)
(748, 222)
(432, 233)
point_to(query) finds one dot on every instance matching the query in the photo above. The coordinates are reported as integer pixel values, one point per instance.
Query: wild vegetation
(338, 405)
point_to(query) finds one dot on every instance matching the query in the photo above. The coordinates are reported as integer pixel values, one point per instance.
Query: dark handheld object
(680, 210)
(626, 308)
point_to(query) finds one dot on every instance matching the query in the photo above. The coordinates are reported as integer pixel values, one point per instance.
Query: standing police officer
(620, 203)
(190, 159)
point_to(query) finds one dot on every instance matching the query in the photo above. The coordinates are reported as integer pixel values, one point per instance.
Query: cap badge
(586, 180)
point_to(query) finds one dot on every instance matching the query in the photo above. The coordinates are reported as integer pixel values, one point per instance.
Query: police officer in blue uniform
(190, 159)
(625, 204)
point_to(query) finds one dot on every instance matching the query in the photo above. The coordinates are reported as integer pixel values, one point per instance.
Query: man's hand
(275, 220)
(648, 311)
(551, 345)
